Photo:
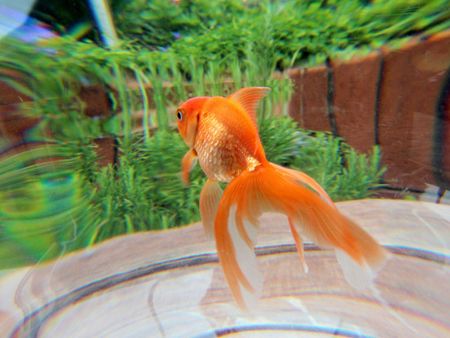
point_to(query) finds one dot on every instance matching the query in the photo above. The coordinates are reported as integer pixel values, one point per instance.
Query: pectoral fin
(187, 163)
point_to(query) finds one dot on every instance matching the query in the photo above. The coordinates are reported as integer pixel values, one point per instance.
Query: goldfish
(222, 136)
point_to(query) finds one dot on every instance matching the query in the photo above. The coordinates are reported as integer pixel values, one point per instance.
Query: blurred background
(88, 92)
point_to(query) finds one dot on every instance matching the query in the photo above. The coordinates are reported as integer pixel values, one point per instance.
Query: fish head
(188, 115)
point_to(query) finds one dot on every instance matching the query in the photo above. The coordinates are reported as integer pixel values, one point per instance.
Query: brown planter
(441, 149)
(13, 125)
(446, 147)
(354, 99)
(9, 95)
(397, 99)
(309, 103)
(96, 100)
(106, 149)
(22, 147)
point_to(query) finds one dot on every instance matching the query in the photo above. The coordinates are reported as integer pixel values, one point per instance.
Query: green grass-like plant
(47, 209)
(289, 33)
(72, 203)
(147, 81)
(343, 173)
(45, 203)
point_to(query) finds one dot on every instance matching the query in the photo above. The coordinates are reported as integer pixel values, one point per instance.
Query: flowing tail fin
(310, 212)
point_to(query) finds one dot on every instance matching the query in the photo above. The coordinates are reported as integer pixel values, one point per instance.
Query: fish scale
(221, 156)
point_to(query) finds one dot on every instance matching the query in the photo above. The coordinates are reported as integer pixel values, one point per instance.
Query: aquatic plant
(142, 190)
(223, 48)
(157, 24)
(145, 191)
(342, 171)
(54, 78)
(49, 208)
(134, 81)
(290, 32)
(45, 204)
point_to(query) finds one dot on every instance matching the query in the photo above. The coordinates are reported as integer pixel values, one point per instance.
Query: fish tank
(204, 168)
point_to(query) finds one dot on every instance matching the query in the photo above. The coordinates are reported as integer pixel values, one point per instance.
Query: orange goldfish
(222, 135)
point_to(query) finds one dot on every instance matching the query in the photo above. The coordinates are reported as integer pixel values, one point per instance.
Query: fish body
(226, 139)
(222, 135)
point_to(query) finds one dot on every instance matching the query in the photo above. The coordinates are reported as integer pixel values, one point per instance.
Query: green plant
(157, 24)
(49, 208)
(45, 204)
(283, 33)
(145, 191)
(231, 46)
(230, 41)
(54, 79)
(150, 81)
(341, 171)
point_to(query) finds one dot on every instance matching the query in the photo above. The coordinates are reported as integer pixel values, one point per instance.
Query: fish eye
(179, 115)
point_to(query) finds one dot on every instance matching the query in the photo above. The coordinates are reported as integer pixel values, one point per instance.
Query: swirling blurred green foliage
(55, 198)
(292, 33)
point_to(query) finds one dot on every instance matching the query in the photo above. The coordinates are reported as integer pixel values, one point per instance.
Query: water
(94, 240)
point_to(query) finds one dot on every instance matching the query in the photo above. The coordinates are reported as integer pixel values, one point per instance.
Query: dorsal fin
(248, 98)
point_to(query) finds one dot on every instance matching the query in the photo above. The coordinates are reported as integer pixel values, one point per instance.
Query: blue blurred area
(32, 31)
(16, 22)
